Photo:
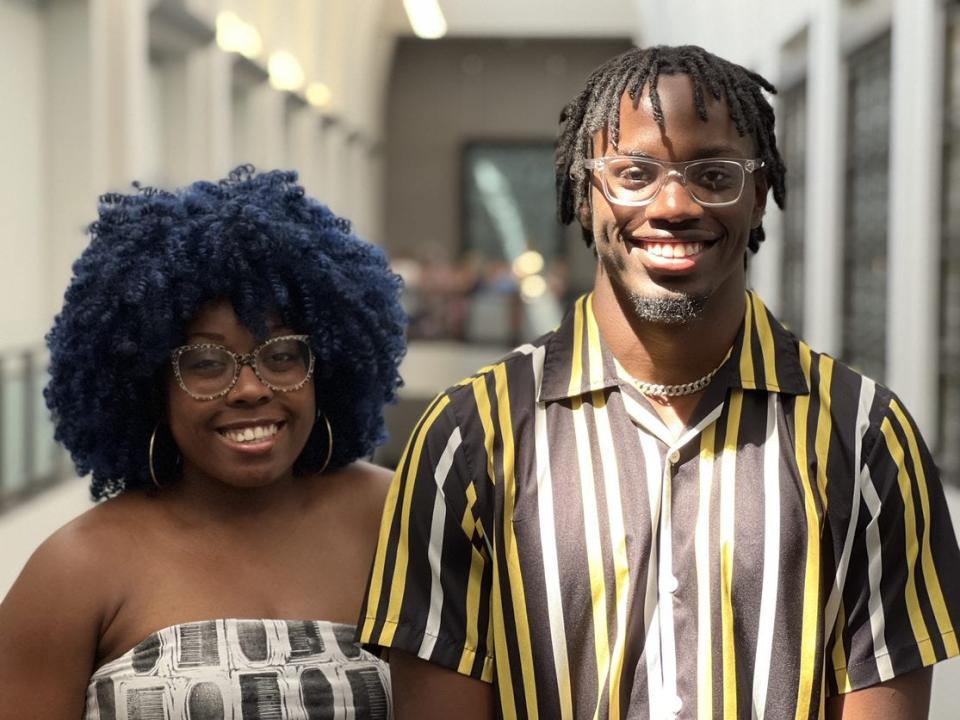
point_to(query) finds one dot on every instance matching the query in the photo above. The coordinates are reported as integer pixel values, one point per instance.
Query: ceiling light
(235, 35)
(526, 263)
(532, 287)
(426, 18)
(318, 94)
(285, 71)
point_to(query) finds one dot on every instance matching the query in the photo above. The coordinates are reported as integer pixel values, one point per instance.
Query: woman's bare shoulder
(360, 482)
(89, 548)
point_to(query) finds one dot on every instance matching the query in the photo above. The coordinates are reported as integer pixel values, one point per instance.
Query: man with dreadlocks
(669, 507)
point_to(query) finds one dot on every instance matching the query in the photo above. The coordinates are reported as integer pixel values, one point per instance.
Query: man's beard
(674, 310)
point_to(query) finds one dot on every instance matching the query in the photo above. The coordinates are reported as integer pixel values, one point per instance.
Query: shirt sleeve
(429, 587)
(901, 599)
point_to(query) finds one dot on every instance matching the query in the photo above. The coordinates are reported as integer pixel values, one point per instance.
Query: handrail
(31, 461)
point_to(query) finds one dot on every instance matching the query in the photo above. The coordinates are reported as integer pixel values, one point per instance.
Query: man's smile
(673, 252)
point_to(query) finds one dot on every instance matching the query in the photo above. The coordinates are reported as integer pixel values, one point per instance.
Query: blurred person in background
(669, 507)
(219, 368)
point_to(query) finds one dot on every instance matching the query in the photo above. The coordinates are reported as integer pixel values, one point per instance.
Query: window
(949, 441)
(867, 178)
(793, 142)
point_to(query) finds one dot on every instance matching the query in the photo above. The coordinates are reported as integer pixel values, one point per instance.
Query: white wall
(22, 191)
(24, 528)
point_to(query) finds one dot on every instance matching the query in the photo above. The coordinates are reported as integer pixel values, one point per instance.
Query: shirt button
(676, 705)
(674, 456)
(670, 585)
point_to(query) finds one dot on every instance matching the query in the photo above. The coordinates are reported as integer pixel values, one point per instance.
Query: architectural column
(334, 159)
(916, 155)
(209, 139)
(119, 75)
(265, 141)
(823, 308)
(302, 150)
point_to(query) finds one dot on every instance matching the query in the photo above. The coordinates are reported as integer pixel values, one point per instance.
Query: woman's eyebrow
(202, 334)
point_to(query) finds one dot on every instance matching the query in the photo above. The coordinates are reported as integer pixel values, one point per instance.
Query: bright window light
(285, 71)
(235, 35)
(426, 18)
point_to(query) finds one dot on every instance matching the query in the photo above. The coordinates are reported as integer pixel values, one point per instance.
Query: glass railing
(30, 460)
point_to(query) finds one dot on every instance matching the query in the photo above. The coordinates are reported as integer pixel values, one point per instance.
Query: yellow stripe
(470, 647)
(728, 471)
(593, 342)
(496, 625)
(486, 420)
(576, 361)
(517, 598)
(767, 346)
(386, 523)
(811, 583)
(469, 522)
(508, 703)
(704, 586)
(587, 487)
(403, 547)
(496, 632)
(618, 543)
(917, 623)
(934, 591)
(747, 376)
(618, 536)
(824, 427)
(840, 654)
(598, 589)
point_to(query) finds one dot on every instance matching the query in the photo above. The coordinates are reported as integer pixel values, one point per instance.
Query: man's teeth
(673, 250)
(251, 434)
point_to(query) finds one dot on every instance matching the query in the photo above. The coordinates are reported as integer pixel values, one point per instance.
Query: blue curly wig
(156, 257)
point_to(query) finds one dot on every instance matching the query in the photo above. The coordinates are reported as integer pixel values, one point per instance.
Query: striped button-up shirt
(547, 531)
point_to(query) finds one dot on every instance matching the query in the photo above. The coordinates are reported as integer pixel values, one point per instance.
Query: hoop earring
(153, 475)
(326, 462)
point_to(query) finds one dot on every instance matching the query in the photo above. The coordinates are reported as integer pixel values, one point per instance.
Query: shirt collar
(764, 356)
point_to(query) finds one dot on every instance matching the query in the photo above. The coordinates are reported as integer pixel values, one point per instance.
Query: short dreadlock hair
(156, 257)
(598, 107)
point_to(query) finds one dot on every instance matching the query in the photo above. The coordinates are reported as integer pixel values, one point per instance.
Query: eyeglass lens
(636, 180)
(208, 369)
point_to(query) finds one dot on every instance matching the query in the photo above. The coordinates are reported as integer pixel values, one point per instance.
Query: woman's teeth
(251, 434)
(673, 250)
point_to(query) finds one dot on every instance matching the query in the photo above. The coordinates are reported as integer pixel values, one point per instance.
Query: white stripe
(875, 572)
(704, 586)
(548, 544)
(651, 608)
(771, 558)
(867, 389)
(667, 630)
(435, 550)
(647, 419)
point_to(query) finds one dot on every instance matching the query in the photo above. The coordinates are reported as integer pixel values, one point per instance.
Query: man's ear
(760, 189)
(585, 216)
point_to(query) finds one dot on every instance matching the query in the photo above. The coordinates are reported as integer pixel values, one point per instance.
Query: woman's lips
(252, 439)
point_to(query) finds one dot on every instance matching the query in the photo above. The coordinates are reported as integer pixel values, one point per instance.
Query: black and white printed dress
(243, 670)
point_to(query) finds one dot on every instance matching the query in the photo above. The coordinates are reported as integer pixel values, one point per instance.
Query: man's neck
(669, 353)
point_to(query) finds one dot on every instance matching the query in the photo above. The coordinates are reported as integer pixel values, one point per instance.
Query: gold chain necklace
(680, 390)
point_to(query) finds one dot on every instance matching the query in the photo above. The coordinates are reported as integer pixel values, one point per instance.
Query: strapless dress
(243, 670)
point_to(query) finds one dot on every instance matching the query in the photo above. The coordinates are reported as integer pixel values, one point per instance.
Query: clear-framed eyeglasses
(635, 181)
(206, 371)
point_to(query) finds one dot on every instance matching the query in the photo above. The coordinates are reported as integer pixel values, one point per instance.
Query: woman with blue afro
(219, 369)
